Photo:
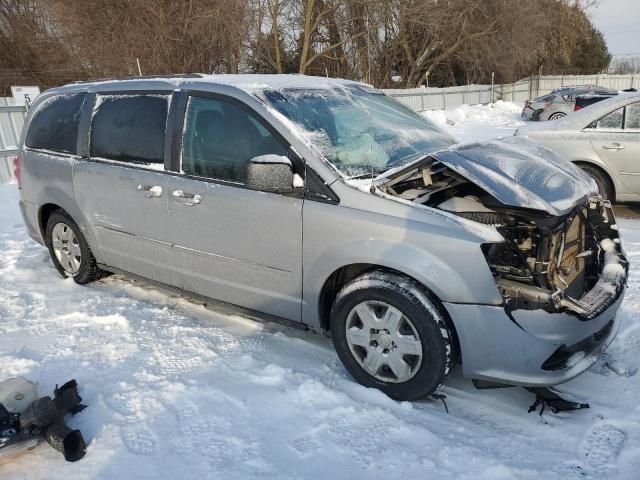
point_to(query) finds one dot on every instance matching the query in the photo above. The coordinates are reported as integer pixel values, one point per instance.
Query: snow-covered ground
(176, 390)
(469, 123)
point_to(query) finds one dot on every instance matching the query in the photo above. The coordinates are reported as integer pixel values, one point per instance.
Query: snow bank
(469, 123)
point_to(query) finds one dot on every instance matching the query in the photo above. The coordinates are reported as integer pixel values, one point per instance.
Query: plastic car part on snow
(42, 418)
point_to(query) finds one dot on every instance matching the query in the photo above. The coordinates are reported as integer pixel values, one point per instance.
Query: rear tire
(605, 187)
(557, 116)
(391, 335)
(69, 250)
(536, 115)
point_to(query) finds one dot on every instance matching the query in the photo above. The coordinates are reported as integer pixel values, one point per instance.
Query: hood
(521, 173)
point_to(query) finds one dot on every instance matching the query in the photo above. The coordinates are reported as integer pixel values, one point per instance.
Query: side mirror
(270, 173)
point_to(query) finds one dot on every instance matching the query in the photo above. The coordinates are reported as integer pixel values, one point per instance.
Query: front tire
(391, 335)
(69, 250)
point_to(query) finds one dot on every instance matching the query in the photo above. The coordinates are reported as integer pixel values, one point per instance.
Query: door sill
(217, 306)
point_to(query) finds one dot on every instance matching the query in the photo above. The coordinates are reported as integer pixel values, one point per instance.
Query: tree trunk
(274, 10)
(306, 36)
(358, 15)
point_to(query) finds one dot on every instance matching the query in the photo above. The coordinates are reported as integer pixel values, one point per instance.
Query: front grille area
(571, 264)
(567, 268)
(574, 244)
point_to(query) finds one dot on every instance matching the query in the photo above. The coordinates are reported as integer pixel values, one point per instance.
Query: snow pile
(468, 123)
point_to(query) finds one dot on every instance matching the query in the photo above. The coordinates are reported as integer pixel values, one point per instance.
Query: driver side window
(220, 137)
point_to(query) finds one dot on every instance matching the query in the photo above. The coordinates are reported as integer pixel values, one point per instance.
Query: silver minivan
(327, 203)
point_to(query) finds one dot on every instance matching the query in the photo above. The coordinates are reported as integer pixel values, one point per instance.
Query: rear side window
(130, 128)
(632, 117)
(611, 121)
(54, 125)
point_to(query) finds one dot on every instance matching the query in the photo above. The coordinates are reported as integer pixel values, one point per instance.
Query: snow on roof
(253, 82)
(246, 82)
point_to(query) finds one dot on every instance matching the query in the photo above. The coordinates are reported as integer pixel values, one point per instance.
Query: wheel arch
(345, 274)
(67, 206)
(607, 175)
(44, 212)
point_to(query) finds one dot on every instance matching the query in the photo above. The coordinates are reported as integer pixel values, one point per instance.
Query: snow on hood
(521, 173)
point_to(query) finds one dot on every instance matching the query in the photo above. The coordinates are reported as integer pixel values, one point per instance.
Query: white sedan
(603, 139)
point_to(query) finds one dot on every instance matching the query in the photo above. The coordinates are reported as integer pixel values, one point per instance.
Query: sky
(619, 22)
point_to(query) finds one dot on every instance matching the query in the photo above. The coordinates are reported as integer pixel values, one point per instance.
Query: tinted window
(632, 117)
(220, 137)
(129, 128)
(612, 120)
(55, 124)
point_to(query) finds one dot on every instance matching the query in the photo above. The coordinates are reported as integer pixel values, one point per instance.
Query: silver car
(326, 203)
(604, 140)
(560, 102)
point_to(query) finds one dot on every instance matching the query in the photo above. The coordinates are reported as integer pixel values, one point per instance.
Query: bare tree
(165, 35)
(31, 52)
(442, 42)
(320, 20)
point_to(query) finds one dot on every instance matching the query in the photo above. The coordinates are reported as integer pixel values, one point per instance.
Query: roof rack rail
(143, 77)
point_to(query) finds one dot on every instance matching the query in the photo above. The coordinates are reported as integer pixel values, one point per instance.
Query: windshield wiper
(407, 161)
(368, 174)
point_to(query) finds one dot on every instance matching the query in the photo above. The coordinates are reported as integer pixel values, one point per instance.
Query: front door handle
(186, 198)
(613, 146)
(150, 191)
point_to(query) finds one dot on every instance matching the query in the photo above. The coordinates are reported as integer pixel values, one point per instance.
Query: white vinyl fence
(450, 97)
(11, 121)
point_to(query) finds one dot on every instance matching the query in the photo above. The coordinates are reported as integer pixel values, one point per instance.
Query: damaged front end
(561, 252)
(571, 264)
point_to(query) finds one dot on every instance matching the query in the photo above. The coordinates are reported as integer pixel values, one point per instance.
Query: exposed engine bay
(571, 263)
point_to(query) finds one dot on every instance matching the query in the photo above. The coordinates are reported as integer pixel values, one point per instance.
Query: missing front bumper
(602, 295)
(579, 269)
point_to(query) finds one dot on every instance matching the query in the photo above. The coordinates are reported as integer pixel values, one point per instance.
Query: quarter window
(220, 137)
(55, 124)
(130, 128)
(612, 120)
(632, 116)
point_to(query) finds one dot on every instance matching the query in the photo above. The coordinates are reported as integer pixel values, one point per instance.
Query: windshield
(358, 130)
